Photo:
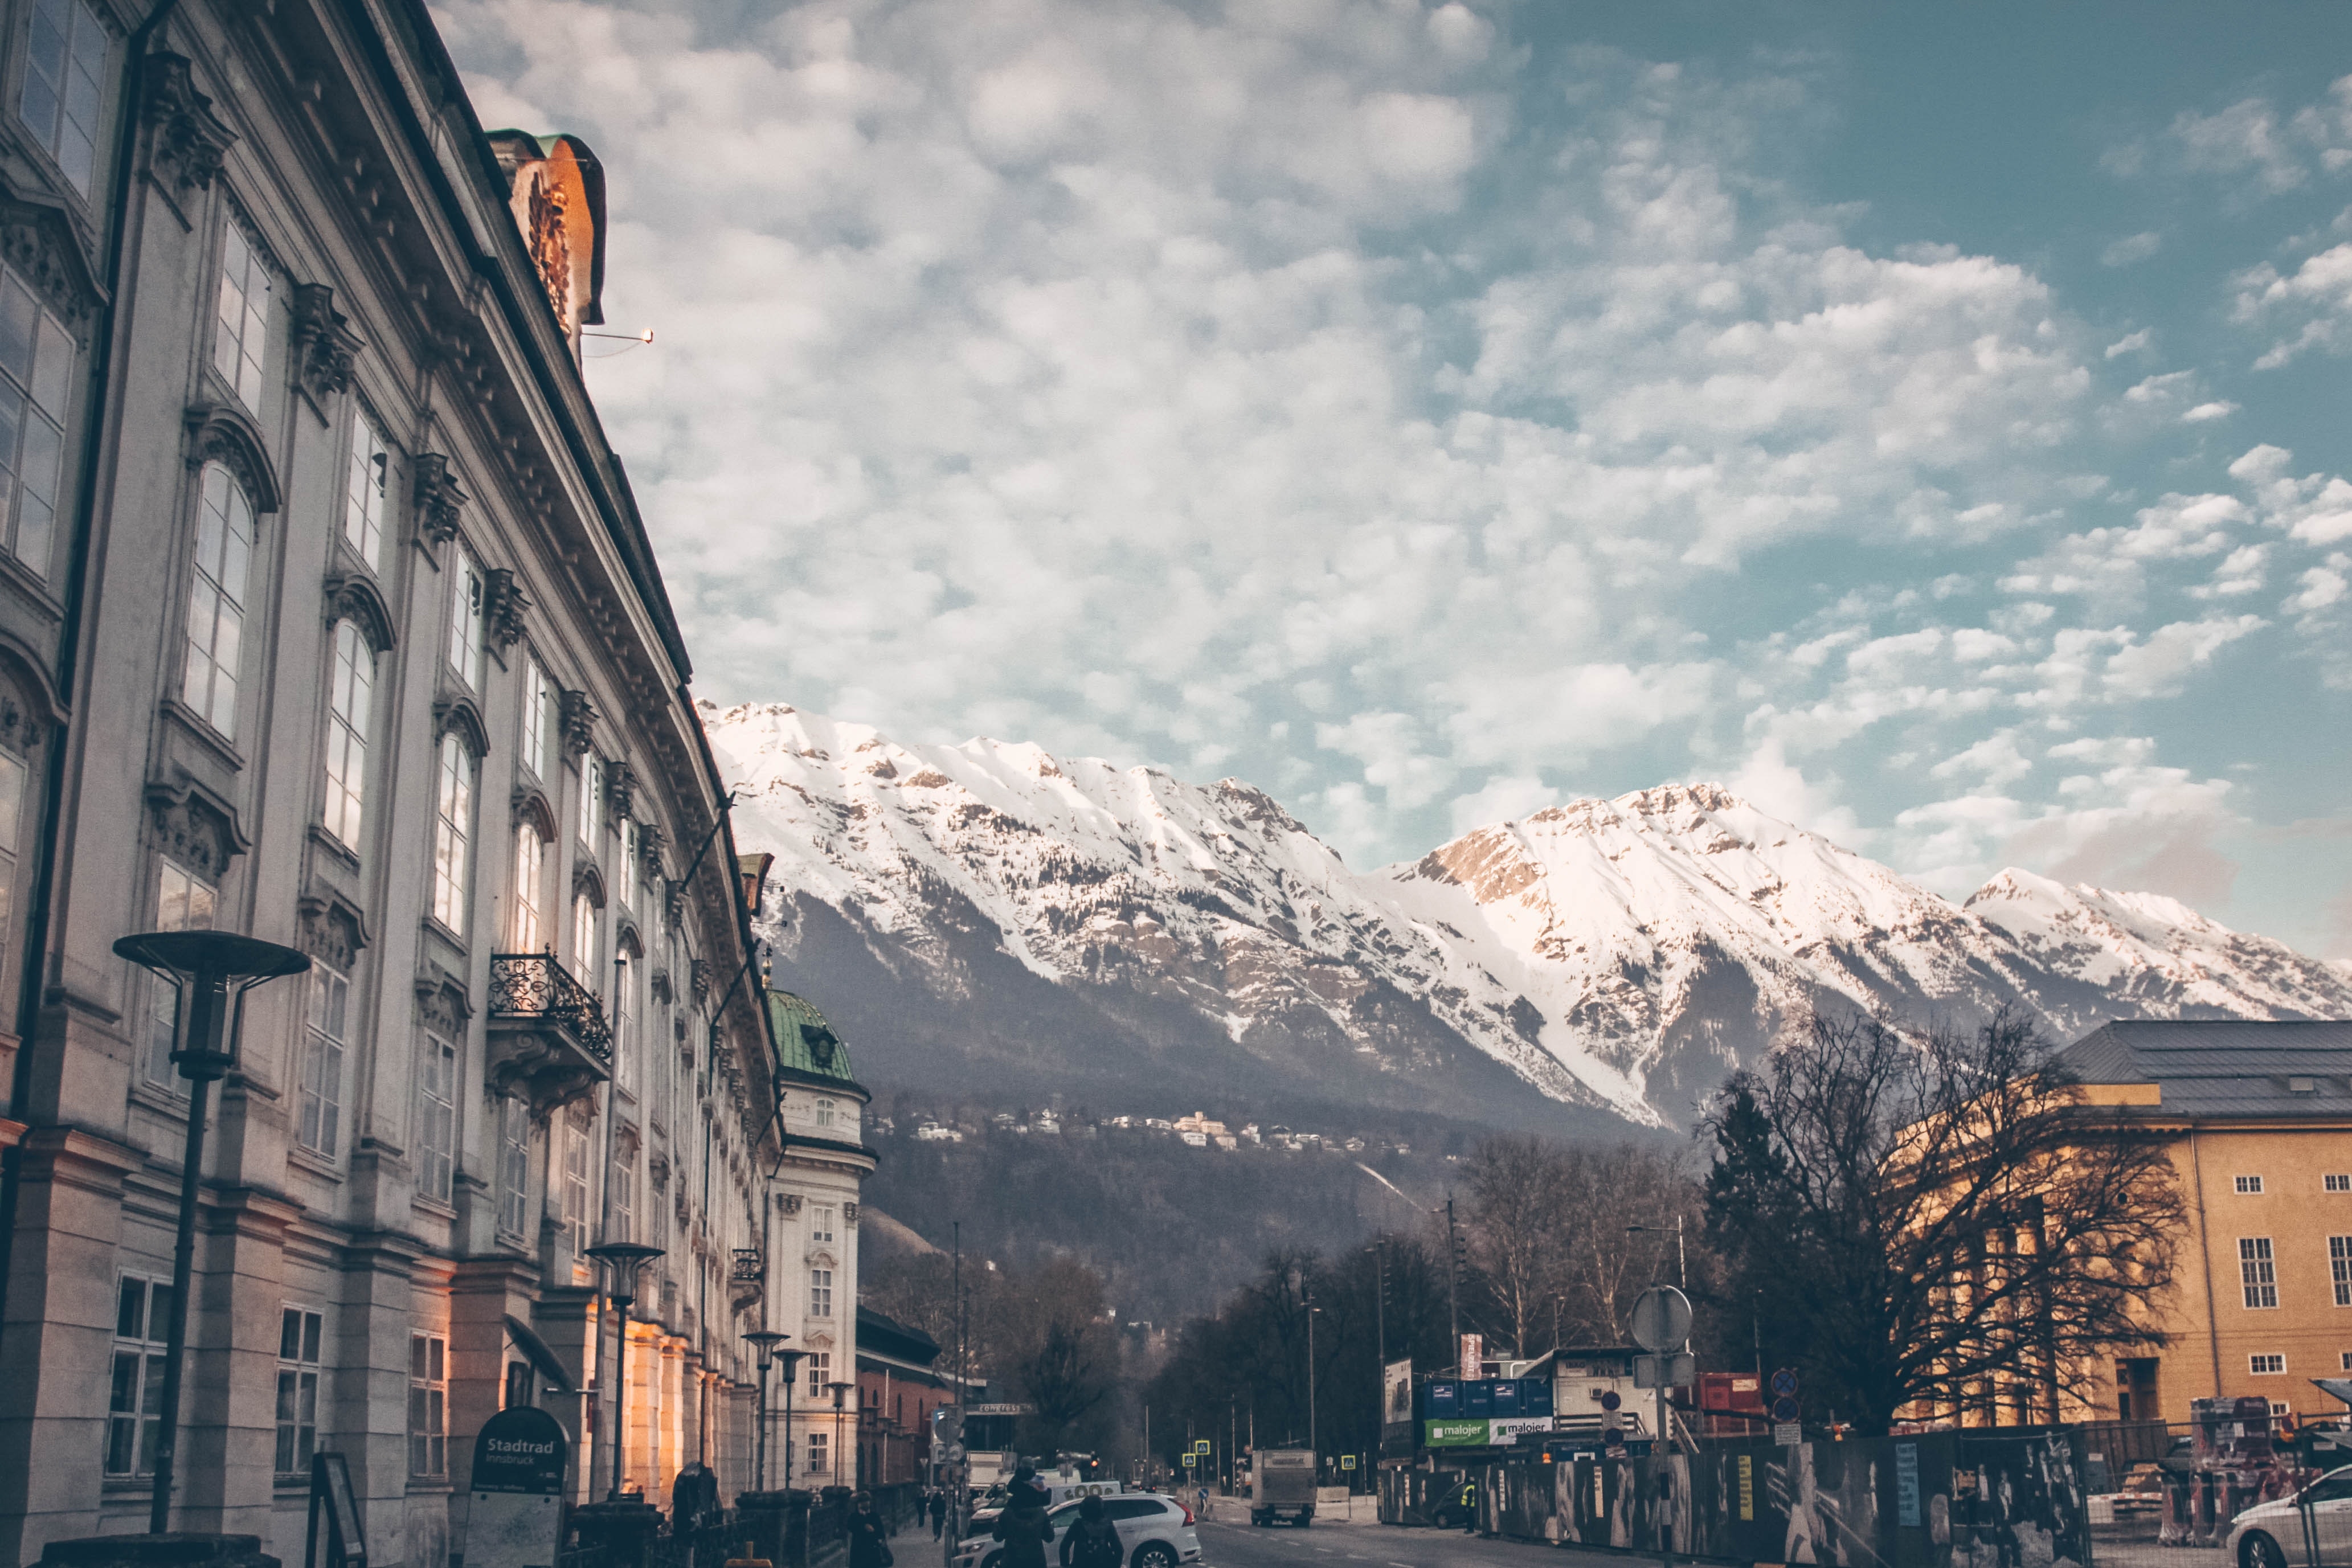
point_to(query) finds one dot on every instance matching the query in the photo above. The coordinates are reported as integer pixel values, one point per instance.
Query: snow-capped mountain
(988, 914)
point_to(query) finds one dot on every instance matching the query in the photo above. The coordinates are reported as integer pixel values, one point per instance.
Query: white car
(1155, 1532)
(2271, 1534)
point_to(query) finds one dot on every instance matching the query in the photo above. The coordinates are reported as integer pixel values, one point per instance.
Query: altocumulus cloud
(1322, 393)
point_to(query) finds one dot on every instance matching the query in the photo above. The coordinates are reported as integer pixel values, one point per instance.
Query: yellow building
(2261, 1118)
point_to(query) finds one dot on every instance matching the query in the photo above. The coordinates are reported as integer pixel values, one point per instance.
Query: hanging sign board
(517, 1517)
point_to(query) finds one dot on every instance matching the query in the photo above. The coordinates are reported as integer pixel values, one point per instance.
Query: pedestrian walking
(1022, 1526)
(938, 1511)
(869, 1545)
(1093, 1541)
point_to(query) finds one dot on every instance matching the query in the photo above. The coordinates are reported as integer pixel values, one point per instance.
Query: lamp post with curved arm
(765, 1341)
(625, 1259)
(210, 971)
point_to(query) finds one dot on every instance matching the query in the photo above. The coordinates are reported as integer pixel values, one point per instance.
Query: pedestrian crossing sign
(1200, 1445)
(1188, 1461)
(1347, 1461)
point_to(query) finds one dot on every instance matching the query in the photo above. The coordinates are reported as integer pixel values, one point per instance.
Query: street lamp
(624, 1259)
(789, 1360)
(1682, 1258)
(839, 1388)
(1312, 1310)
(209, 970)
(764, 1341)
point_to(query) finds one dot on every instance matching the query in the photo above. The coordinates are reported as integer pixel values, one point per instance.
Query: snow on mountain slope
(1619, 953)
(2158, 954)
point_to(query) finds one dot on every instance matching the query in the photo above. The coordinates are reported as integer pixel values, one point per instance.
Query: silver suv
(1154, 1531)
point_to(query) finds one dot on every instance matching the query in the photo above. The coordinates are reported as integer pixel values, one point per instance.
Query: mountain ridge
(995, 909)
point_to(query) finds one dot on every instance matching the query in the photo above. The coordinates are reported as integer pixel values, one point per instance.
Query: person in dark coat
(1022, 1526)
(1093, 1541)
(938, 1511)
(869, 1546)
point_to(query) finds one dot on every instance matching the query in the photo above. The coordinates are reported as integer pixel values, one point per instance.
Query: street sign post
(1200, 1445)
(1188, 1459)
(1662, 1317)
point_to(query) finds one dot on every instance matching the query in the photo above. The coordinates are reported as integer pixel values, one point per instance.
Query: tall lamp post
(765, 1341)
(1311, 1310)
(622, 1259)
(839, 1390)
(211, 971)
(789, 1360)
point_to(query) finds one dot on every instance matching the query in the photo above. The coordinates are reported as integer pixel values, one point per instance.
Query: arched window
(583, 940)
(364, 486)
(351, 695)
(531, 933)
(217, 598)
(452, 833)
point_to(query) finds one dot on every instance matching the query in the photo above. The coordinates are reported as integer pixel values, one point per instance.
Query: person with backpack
(1093, 1541)
(1022, 1526)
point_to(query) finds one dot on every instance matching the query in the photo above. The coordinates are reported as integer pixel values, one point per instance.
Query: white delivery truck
(1282, 1486)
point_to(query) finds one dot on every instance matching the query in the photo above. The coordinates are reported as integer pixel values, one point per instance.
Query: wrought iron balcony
(548, 1037)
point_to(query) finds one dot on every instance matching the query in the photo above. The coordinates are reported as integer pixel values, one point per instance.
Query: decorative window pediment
(531, 806)
(442, 1004)
(588, 883)
(355, 596)
(224, 432)
(578, 723)
(38, 243)
(333, 929)
(324, 342)
(190, 139)
(196, 827)
(458, 714)
(504, 603)
(439, 499)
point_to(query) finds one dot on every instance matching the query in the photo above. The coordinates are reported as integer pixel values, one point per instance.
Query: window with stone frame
(299, 1331)
(184, 902)
(820, 1452)
(514, 1165)
(241, 327)
(436, 1115)
(468, 596)
(2257, 1271)
(585, 941)
(576, 1193)
(819, 1292)
(542, 705)
(819, 1224)
(428, 1406)
(591, 800)
(351, 702)
(625, 1016)
(14, 774)
(367, 481)
(529, 930)
(820, 1371)
(621, 1223)
(452, 828)
(36, 362)
(212, 664)
(326, 1040)
(65, 73)
(2339, 1267)
(143, 1319)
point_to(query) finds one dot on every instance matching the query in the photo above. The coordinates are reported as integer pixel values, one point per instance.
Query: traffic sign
(1188, 1459)
(1200, 1445)
(1347, 1461)
(1787, 1433)
(1662, 1317)
(1784, 1409)
(1784, 1382)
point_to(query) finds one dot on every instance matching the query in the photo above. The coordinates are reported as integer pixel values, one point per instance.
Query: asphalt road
(1333, 1544)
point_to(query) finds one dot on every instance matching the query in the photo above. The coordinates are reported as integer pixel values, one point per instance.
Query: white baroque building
(326, 616)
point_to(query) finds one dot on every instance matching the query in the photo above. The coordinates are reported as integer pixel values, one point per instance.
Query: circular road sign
(1662, 1317)
(1784, 1409)
(1784, 1382)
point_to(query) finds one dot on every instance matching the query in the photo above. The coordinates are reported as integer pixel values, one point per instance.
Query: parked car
(1057, 1492)
(1154, 1530)
(2271, 1534)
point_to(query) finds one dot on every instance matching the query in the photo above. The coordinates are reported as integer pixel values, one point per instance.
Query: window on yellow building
(2250, 1185)
(2263, 1365)
(2256, 1271)
(2339, 1265)
(2337, 1181)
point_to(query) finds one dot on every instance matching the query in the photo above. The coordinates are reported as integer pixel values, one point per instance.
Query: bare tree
(1518, 1217)
(1940, 1220)
(1606, 1264)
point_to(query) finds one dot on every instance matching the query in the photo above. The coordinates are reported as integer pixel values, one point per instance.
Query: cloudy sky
(1926, 419)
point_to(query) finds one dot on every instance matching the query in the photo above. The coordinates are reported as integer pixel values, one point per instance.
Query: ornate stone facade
(308, 716)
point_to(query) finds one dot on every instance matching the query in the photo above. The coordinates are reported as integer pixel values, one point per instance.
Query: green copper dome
(805, 1043)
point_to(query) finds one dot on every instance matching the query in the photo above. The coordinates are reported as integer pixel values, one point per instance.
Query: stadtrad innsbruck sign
(517, 1515)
